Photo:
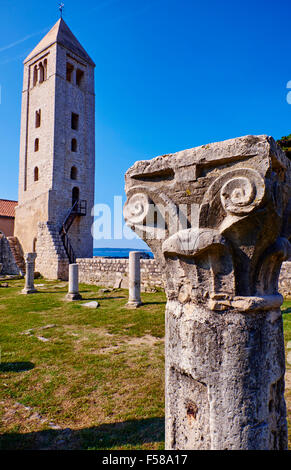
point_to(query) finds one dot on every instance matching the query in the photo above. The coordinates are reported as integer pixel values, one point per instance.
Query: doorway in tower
(75, 195)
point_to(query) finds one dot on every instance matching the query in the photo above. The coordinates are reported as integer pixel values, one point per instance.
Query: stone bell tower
(57, 153)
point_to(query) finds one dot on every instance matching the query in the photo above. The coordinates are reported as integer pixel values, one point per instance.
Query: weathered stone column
(218, 219)
(73, 293)
(134, 299)
(29, 275)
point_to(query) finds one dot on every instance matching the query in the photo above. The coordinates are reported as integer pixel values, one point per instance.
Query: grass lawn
(78, 378)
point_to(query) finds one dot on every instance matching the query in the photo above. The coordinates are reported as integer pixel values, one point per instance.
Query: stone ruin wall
(113, 272)
(285, 279)
(7, 261)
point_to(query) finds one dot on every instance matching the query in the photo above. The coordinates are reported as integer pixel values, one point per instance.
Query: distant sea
(118, 252)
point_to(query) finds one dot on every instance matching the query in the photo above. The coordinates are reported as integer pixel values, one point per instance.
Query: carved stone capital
(240, 191)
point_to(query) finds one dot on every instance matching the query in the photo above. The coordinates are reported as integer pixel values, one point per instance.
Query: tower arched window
(75, 121)
(69, 72)
(79, 77)
(36, 145)
(35, 75)
(37, 118)
(74, 145)
(41, 72)
(36, 174)
(74, 173)
(45, 69)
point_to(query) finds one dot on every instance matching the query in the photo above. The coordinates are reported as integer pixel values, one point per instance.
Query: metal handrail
(69, 213)
(68, 248)
(81, 206)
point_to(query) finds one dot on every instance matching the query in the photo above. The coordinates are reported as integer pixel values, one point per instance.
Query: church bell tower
(57, 153)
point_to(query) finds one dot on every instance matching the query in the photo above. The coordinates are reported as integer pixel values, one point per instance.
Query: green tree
(285, 144)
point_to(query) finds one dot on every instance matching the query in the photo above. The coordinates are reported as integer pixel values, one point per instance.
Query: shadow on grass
(127, 434)
(15, 366)
(162, 302)
(286, 310)
(102, 298)
(61, 290)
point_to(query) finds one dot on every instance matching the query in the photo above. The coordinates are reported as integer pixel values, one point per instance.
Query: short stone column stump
(73, 293)
(29, 276)
(134, 300)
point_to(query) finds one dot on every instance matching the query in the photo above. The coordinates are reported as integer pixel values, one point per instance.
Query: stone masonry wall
(113, 272)
(7, 261)
(285, 279)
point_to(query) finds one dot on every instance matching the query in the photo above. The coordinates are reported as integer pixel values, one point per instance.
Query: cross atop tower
(61, 7)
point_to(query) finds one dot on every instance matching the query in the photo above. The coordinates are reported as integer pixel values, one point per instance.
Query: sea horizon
(119, 252)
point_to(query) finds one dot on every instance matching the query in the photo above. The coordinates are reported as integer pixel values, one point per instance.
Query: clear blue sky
(170, 75)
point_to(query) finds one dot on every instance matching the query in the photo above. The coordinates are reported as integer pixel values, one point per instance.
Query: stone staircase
(17, 252)
(52, 261)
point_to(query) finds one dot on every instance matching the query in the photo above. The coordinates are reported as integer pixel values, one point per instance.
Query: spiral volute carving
(136, 209)
(242, 192)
